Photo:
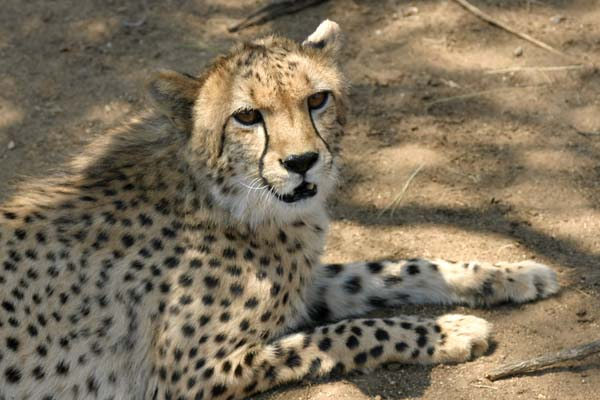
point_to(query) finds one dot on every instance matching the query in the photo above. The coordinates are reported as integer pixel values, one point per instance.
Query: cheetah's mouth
(303, 191)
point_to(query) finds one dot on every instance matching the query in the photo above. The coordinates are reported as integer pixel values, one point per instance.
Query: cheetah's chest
(234, 287)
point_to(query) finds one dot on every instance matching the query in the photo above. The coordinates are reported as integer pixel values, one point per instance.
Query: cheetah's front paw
(529, 280)
(462, 338)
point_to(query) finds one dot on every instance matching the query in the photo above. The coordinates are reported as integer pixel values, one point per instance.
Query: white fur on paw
(529, 280)
(462, 338)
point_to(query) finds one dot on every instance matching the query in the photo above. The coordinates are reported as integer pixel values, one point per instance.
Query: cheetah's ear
(174, 95)
(327, 38)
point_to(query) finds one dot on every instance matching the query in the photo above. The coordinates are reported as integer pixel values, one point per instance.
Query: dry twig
(536, 69)
(546, 360)
(400, 195)
(477, 94)
(491, 20)
(483, 386)
(586, 134)
(273, 10)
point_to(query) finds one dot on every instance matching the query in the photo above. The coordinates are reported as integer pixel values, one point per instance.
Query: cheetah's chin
(303, 191)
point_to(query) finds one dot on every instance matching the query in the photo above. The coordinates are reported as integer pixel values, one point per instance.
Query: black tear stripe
(261, 161)
(317, 132)
(222, 141)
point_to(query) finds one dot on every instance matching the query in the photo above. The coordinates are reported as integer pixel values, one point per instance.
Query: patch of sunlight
(110, 113)
(546, 160)
(9, 114)
(94, 30)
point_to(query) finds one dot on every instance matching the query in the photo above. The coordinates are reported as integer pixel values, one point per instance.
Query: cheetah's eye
(247, 117)
(317, 100)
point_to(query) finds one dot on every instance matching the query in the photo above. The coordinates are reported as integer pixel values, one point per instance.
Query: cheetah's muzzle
(304, 191)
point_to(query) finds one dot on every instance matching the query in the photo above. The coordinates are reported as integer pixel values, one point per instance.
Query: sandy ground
(509, 161)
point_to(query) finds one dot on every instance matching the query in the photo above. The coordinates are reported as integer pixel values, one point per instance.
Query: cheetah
(178, 258)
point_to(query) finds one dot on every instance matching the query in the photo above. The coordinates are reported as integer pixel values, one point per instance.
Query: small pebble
(410, 11)
(518, 52)
(11, 145)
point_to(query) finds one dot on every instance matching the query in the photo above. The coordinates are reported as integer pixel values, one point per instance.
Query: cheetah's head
(266, 120)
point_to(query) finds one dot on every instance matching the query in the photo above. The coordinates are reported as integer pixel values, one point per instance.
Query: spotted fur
(166, 264)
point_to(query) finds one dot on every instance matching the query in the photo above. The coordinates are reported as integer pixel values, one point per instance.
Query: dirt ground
(507, 162)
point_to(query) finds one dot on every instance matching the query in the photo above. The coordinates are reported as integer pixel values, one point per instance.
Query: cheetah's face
(269, 117)
(282, 133)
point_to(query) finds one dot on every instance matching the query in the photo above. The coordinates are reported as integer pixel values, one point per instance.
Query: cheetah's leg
(354, 289)
(343, 346)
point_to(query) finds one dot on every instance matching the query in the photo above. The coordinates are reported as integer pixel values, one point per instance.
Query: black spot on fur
(377, 302)
(315, 367)
(218, 390)
(127, 240)
(244, 325)
(171, 262)
(421, 330)
(229, 253)
(12, 343)
(356, 330)
(236, 289)
(333, 269)
(376, 351)
(401, 346)
(325, 344)
(8, 306)
(319, 312)
(10, 215)
(248, 255)
(382, 335)
(360, 358)
(208, 373)
(226, 366)
(251, 303)
(375, 267)
(391, 280)
(188, 330)
(352, 342)
(353, 285)
(211, 282)
(20, 234)
(487, 289)
(293, 360)
(12, 374)
(62, 368)
(338, 369)
(185, 280)
(412, 269)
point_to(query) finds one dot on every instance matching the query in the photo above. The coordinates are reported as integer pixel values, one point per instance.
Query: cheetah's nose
(300, 163)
